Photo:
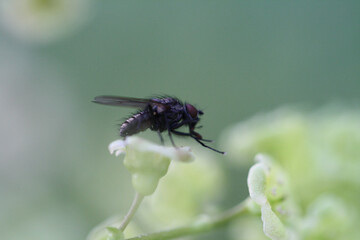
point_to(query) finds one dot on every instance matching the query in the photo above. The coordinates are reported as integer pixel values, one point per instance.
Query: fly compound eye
(191, 110)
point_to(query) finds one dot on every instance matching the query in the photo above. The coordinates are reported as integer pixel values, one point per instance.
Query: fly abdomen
(137, 123)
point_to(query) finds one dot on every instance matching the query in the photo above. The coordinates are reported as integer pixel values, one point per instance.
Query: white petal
(118, 147)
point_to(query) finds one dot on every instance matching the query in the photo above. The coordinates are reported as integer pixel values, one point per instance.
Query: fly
(158, 114)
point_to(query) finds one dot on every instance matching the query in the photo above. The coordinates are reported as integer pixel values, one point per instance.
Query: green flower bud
(147, 162)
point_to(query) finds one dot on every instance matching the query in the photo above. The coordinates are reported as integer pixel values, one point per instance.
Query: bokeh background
(233, 59)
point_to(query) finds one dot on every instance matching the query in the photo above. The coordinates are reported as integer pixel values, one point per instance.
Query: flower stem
(134, 206)
(200, 226)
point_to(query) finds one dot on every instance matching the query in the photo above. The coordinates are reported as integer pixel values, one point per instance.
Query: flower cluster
(147, 162)
(310, 188)
(303, 186)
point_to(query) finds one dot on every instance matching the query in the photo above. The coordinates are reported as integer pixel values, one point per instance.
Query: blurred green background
(232, 59)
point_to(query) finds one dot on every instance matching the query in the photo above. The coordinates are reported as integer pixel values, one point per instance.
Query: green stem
(134, 206)
(198, 227)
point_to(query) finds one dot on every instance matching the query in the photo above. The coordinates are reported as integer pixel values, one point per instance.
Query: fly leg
(190, 135)
(161, 138)
(169, 131)
(180, 133)
(202, 144)
(198, 136)
(198, 139)
(171, 139)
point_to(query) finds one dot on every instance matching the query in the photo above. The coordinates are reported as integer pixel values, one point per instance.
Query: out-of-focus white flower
(43, 21)
(148, 162)
(329, 216)
(276, 133)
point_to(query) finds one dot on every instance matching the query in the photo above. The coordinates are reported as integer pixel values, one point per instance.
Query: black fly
(159, 114)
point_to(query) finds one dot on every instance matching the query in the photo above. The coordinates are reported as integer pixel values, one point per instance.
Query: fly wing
(129, 102)
(122, 101)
